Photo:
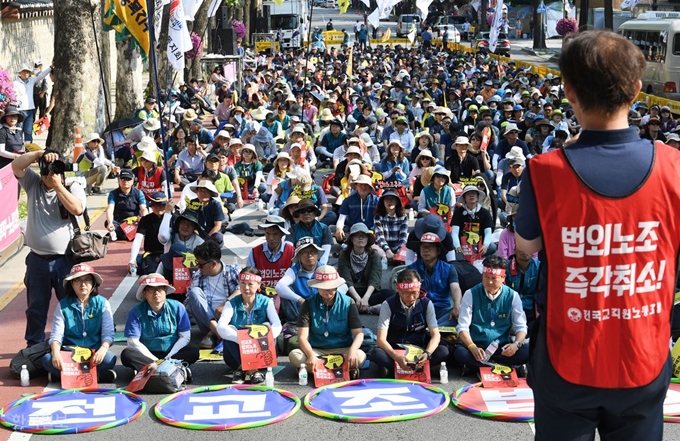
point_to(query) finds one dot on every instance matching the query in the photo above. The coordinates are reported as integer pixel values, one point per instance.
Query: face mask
(239, 118)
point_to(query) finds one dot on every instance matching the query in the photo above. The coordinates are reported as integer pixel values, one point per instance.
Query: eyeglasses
(201, 265)
(84, 281)
(154, 289)
(306, 210)
(446, 123)
(513, 132)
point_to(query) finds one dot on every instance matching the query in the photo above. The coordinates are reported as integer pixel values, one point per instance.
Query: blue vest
(336, 323)
(300, 286)
(436, 284)
(413, 330)
(300, 231)
(529, 285)
(126, 205)
(76, 323)
(432, 198)
(159, 331)
(257, 316)
(484, 311)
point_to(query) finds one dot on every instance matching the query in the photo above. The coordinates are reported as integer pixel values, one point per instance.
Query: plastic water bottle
(269, 378)
(491, 349)
(260, 205)
(113, 236)
(25, 376)
(384, 263)
(133, 271)
(443, 374)
(302, 375)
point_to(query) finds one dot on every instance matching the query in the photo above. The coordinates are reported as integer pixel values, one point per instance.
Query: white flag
(214, 6)
(496, 26)
(367, 3)
(179, 40)
(157, 18)
(629, 4)
(374, 18)
(424, 6)
(384, 8)
(412, 35)
(191, 8)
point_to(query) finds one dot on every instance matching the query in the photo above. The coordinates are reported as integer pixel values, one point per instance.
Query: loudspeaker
(222, 18)
(266, 11)
(262, 25)
(223, 41)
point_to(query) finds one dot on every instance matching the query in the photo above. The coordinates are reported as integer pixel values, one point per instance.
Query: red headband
(249, 277)
(493, 271)
(408, 285)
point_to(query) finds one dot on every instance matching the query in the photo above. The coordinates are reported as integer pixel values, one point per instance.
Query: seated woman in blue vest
(328, 323)
(83, 318)
(247, 308)
(395, 167)
(407, 318)
(157, 327)
(437, 193)
(309, 225)
(179, 238)
(293, 288)
(489, 312)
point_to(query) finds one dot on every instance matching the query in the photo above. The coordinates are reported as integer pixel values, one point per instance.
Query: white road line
(238, 246)
(533, 427)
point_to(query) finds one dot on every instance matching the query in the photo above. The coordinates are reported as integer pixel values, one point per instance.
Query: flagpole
(152, 52)
(309, 48)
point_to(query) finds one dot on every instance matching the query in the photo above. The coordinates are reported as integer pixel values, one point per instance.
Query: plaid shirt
(216, 296)
(391, 232)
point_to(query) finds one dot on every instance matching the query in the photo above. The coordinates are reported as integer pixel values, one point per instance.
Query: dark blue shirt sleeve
(453, 275)
(526, 220)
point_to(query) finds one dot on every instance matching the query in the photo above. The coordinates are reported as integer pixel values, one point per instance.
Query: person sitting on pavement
(522, 275)
(293, 287)
(147, 231)
(303, 186)
(310, 226)
(180, 238)
(359, 264)
(288, 213)
(190, 162)
(391, 225)
(439, 279)
(328, 323)
(506, 241)
(358, 207)
(273, 257)
(331, 141)
(123, 203)
(437, 196)
(211, 286)
(150, 177)
(407, 318)
(210, 211)
(460, 163)
(236, 200)
(511, 140)
(157, 327)
(395, 167)
(84, 319)
(489, 312)
(93, 164)
(424, 142)
(249, 170)
(473, 222)
(249, 307)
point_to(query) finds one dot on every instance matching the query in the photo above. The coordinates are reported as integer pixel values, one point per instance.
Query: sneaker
(208, 342)
(521, 371)
(354, 374)
(238, 377)
(464, 370)
(188, 376)
(107, 376)
(97, 190)
(257, 378)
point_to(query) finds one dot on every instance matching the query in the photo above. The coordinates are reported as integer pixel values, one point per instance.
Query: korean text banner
(133, 15)
(9, 215)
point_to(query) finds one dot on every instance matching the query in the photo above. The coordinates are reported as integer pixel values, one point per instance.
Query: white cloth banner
(367, 3)
(191, 8)
(374, 18)
(412, 36)
(496, 26)
(424, 6)
(385, 7)
(157, 18)
(179, 40)
(214, 6)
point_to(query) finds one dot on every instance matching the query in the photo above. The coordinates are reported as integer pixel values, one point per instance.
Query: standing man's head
(601, 72)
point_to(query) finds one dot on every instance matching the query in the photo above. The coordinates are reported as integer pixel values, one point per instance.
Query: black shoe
(97, 190)
(238, 377)
(521, 371)
(383, 372)
(464, 370)
(257, 378)
(107, 376)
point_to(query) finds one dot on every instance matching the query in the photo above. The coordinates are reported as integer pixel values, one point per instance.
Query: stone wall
(26, 40)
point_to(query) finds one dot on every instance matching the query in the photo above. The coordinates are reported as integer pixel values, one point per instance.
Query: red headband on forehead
(408, 285)
(249, 277)
(493, 271)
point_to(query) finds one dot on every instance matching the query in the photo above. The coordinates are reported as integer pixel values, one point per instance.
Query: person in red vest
(603, 214)
(274, 256)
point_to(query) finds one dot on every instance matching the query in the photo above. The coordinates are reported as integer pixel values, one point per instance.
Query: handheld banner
(498, 376)
(401, 255)
(129, 227)
(499, 403)
(671, 405)
(142, 377)
(376, 401)
(72, 411)
(416, 373)
(256, 344)
(182, 270)
(330, 369)
(227, 407)
(78, 369)
(9, 215)
(444, 212)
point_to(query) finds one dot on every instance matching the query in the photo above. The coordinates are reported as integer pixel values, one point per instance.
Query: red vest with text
(272, 272)
(149, 185)
(611, 265)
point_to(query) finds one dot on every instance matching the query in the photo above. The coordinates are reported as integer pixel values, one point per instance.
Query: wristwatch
(429, 355)
(519, 344)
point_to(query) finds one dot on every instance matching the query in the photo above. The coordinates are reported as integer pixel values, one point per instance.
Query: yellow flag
(279, 2)
(386, 36)
(349, 64)
(132, 14)
(343, 5)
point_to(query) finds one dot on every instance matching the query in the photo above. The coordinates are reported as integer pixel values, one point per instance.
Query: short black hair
(495, 261)
(208, 250)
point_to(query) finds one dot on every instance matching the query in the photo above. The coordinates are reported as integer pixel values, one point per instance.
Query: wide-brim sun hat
(363, 179)
(153, 279)
(94, 136)
(153, 124)
(326, 277)
(82, 269)
(274, 221)
(305, 242)
(361, 227)
(207, 185)
(469, 188)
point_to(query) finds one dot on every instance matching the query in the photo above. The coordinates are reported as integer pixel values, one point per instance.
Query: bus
(657, 34)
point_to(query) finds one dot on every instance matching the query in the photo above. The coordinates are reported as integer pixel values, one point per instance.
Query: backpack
(32, 358)
(170, 377)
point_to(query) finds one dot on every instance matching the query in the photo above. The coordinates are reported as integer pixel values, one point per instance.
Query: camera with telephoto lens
(57, 166)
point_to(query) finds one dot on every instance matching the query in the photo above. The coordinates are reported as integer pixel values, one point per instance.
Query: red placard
(129, 227)
(444, 212)
(421, 374)
(332, 368)
(182, 269)
(142, 377)
(256, 344)
(77, 368)
(401, 255)
(498, 376)
(486, 137)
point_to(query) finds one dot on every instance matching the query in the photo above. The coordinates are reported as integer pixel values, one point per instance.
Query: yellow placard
(333, 37)
(264, 45)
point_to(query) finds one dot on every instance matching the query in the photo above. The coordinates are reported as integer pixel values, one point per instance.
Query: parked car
(326, 3)
(481, 43)
(404, 23)
(451, 30)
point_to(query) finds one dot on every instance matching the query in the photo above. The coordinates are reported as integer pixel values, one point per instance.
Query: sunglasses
(653, 123)
(201, 265)
(306, 210)
(124, 179)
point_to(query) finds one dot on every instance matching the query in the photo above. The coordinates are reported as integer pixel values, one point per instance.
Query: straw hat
(363, 179)
(190, 115)
(94, 136)
(153, 279)
(326, 115)
(153, 124)
(82, 269)
(326, 277)
(260, 113)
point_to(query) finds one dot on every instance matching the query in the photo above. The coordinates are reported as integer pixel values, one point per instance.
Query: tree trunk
(608, 15)
(128, 78)
(247, 6)
(78, 87)
(583, 16)
(200, 26)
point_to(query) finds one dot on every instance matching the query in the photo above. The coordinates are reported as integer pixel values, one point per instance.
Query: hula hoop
(158, 409)
(363, 419)
(136, 399)
(455, 400)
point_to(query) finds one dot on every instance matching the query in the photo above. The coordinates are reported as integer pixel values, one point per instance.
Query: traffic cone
(77, 148)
